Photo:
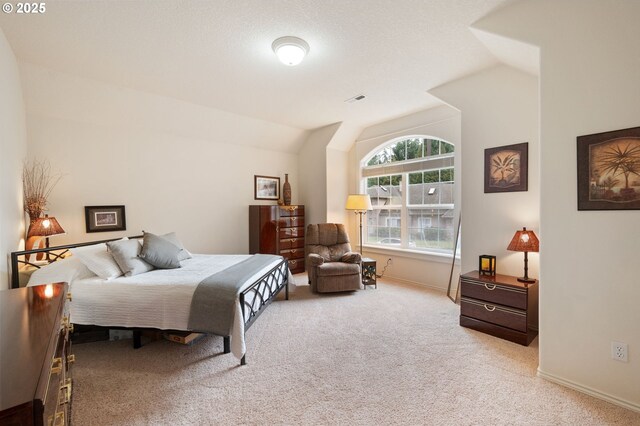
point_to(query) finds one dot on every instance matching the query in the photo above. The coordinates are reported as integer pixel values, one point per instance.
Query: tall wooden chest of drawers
(278, 230)
(36, 356)
(499, 305)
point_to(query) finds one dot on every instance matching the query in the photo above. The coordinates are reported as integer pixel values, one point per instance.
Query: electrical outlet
(620, 351)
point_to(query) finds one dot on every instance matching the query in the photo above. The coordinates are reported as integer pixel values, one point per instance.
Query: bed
(163, 299)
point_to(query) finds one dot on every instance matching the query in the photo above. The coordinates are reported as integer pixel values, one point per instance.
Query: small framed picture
(266, 187)
(105, 218)
(609, 170)
(506, 168)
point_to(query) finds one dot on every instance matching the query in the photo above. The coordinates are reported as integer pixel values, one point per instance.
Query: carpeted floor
(395, 355)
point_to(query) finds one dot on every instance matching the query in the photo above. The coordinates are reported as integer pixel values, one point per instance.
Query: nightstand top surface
(497, 279)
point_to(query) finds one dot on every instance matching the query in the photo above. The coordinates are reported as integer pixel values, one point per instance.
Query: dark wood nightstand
(369, 272)
(499, 305)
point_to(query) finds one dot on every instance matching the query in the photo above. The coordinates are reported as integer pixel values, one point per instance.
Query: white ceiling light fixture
(290, 50)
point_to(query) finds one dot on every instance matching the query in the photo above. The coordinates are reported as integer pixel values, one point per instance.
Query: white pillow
(98, 260)
(66, 270)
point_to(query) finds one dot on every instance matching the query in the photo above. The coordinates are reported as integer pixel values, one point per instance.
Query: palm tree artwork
(616, 166)
(505, 169)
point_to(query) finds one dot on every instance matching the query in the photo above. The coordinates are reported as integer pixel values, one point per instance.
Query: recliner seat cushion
(338, 268)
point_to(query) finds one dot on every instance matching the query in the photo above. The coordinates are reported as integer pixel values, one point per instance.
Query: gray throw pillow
(173, 238)
(125, 253)
(159, 252)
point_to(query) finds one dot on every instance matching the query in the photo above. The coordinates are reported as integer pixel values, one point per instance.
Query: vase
(286, 191)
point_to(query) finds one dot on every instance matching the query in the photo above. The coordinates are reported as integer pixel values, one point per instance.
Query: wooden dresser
(36, 358)
(278, 230)
(499, 305)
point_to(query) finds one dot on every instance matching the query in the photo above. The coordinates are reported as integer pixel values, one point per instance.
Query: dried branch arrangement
(37, 183)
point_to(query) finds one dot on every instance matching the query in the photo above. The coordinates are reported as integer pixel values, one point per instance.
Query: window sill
(411, 254)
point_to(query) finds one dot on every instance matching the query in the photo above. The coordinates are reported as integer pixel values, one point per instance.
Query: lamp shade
(359, 202)
(45, 227)
(524, 241)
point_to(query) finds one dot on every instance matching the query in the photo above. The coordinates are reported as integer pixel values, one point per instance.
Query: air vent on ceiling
(355, 99)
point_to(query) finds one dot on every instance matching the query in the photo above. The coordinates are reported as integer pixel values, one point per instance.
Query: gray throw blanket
(214, 300)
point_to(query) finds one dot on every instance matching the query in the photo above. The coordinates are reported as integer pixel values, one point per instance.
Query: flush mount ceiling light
(290, 50)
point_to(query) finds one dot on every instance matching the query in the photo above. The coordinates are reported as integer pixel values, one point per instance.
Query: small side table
(369, 272)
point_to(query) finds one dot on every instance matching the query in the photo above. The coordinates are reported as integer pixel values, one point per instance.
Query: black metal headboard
(54, 253)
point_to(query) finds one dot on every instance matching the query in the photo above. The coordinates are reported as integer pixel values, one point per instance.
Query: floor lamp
(359, 204)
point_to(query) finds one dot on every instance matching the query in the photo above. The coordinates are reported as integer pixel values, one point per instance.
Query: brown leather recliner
(331, 264)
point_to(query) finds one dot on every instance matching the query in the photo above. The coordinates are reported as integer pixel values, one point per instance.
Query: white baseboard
(589, 391)
(416, 283)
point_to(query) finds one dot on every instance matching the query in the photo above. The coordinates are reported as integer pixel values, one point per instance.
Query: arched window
(410, 181)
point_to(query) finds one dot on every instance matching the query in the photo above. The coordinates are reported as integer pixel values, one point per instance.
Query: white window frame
(404, 188)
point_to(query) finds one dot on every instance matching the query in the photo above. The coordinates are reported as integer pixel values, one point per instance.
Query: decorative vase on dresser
(278, 230)
(286, 190)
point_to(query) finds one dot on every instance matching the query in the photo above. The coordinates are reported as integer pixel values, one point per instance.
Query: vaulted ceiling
(218, 53)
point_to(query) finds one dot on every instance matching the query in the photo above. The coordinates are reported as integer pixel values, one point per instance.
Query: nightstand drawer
(495, 314)
(494, 293)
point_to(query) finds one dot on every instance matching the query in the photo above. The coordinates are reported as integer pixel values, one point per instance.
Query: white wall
(337, 189)
(589, 291)
(499, 107)
(174, 165)
(417, 268)
(13, 146)
(313, 173)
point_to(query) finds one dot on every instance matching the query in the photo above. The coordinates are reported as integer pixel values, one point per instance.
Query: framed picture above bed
(105, 218)
(266, 187)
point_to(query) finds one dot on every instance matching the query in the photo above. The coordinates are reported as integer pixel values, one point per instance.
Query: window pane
(445, 147)
(446, 193)
(385, 180)
(431, 176)
(431, 193)
(415, 188)
(446, 175)
(398, 150)
(432, 147)
(414, 148)
(395, 191)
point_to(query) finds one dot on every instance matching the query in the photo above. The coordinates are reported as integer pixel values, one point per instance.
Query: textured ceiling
(218, 53)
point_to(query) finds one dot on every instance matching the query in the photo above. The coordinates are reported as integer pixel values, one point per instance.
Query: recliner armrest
(315, 259)
(351, 257)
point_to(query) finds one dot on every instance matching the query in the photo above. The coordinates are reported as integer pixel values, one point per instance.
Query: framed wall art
(609, 170)
(506, 168)
(105, 218)
(266, 187)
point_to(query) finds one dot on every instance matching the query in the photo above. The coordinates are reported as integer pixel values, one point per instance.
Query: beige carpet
(395, 355)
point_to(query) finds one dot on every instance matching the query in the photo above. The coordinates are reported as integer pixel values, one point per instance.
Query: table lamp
(45, 227)
(525, 241)
(359, 203)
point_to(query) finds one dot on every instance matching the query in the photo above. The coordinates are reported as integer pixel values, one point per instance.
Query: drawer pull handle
(69, 297)
(71, 328)
(56, 366)
(490, 308)
(58, 420)
(292, 251)
(489, 286)
(71, 359)
(66, 390)
(293, 262)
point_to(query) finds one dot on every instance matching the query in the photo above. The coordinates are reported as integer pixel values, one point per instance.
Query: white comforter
(157, 299)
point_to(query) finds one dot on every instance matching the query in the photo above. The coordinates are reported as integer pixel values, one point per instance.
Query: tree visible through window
(411, 185)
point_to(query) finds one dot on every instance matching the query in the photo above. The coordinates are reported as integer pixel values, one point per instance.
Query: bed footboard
(255, 298)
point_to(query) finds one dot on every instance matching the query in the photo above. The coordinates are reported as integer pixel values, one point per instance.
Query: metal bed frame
(263, 290)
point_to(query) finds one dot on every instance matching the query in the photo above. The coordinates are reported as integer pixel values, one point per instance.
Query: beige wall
(589, 292)
(414, 267)
(13, 145)
(499, 106)
(175, 166)
(312, 163)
